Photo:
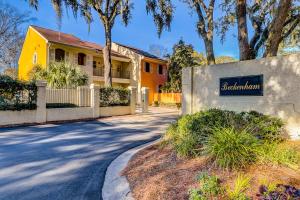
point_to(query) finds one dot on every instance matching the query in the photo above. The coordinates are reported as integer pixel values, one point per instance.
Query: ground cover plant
(210, 188)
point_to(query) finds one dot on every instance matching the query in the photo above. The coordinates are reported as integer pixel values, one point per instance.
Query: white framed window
(34, 58)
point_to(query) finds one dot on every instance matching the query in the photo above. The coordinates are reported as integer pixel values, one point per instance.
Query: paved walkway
(68, 161)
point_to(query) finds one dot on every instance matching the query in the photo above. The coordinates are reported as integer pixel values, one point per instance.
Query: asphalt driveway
(68, 161)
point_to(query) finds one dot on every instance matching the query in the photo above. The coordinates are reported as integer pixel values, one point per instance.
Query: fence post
(41, 110)
(133, 94)
(95, 100)
(145, 99)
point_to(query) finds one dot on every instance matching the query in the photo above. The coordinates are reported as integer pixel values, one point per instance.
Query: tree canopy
(11, 35)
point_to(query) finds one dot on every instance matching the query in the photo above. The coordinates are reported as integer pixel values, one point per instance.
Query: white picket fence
(80, 96)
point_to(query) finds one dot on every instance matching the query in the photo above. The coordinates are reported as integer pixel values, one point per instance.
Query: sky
(140, 33)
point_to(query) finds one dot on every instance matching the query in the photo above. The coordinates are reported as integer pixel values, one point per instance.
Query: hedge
(60, 105)
(17, 95)
(118, 96)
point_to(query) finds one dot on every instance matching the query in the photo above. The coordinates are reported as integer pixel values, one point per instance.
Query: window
(34, 58)
(81, 59)
(160, 69)
(94, 64)
(59, 55)
(147, 67)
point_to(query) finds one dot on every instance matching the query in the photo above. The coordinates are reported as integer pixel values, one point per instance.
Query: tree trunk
(241, 15)
(107, 58)
(210, 56)
(276, 29)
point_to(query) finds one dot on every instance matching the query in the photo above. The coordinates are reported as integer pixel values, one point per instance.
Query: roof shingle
(141, 52)
(69, 39)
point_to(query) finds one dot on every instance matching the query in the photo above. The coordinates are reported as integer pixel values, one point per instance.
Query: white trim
(39, 33)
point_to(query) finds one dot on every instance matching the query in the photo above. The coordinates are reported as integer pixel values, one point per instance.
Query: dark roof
(69, 39)
(141, 52)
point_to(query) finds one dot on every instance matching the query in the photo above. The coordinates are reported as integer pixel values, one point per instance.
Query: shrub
(60, 105)
(60, 75)
(241, 184)
(191, 132)
(209, 187)
(17, 95)
(110, 96)
(280, 154)
(264, 127)
(231, 148)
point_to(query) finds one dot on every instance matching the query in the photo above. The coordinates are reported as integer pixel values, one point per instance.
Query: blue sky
(140, 32)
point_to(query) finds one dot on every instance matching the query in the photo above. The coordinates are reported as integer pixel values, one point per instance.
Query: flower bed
(219, 154)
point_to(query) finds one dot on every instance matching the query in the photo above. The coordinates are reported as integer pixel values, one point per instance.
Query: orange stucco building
(149, 70)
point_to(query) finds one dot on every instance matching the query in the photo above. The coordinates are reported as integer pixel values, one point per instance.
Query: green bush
(60, 105)
(209, 188)
(264, 127)
(60, 75)
(118, 96)
(241, 184)
(280, 154)
(17, 95)
(191, 132)
(231, 148)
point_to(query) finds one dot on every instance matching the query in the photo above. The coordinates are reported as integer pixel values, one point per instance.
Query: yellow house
(130, 66)
(42, 46)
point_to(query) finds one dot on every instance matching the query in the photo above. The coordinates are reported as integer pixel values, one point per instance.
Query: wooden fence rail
(80, 96)
(167, 98)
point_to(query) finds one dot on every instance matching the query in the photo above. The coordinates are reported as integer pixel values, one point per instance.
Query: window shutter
(89, 60)
(75, 60)
(67, 56)
(52, 55)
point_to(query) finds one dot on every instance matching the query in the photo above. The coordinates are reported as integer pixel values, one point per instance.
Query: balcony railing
(99, 71)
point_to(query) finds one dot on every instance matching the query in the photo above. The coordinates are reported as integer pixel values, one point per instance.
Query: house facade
(130, 66)
(148, 70)
(42, 46)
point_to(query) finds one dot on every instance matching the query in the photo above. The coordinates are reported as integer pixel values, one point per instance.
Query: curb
(116, 186)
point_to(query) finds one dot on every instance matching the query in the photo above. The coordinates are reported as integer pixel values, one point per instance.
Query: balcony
(99, 71)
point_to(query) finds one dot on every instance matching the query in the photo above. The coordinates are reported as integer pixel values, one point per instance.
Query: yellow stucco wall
(34, 43)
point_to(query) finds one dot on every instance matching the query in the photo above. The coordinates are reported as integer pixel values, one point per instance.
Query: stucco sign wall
(270, 86)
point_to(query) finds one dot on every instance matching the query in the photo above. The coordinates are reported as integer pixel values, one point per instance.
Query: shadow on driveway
(68, 161)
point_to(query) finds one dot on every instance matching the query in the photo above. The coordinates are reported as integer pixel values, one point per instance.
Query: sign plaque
(242, 86)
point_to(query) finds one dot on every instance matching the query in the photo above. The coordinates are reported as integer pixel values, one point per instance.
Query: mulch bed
(156, 173)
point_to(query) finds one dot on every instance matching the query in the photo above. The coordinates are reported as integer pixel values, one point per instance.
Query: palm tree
(107, 11)
(60, 75)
